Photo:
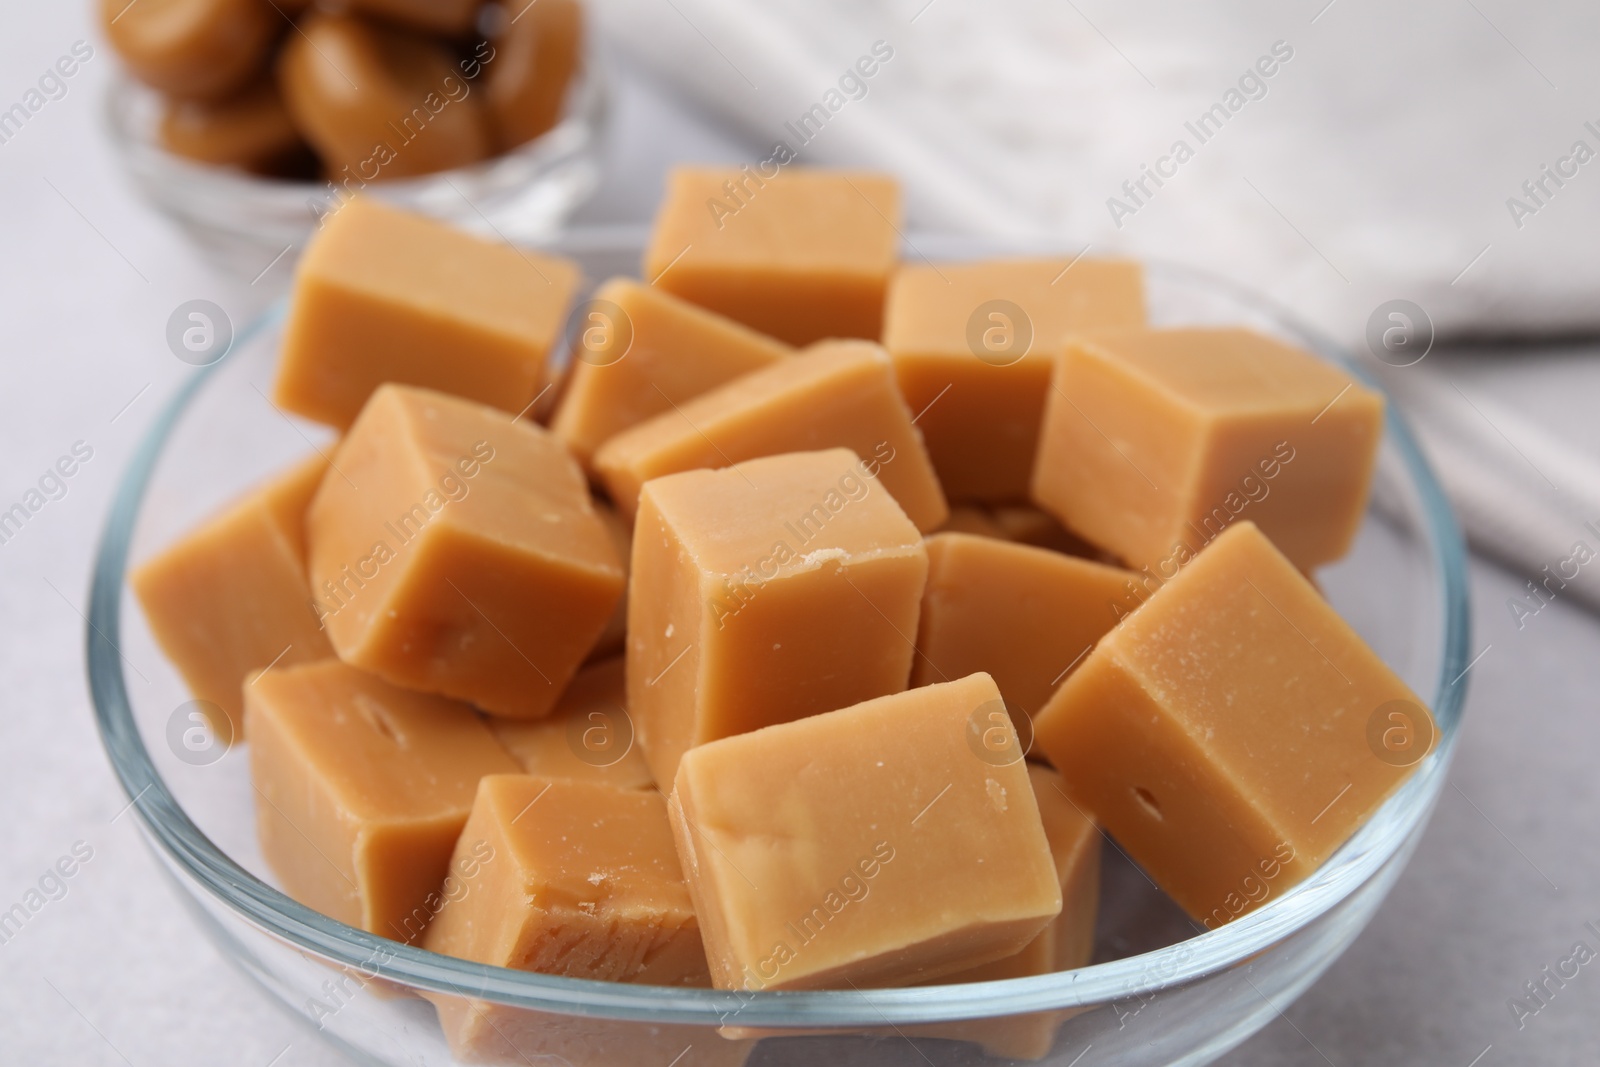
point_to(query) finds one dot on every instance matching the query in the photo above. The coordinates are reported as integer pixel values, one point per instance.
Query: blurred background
(1433, 161)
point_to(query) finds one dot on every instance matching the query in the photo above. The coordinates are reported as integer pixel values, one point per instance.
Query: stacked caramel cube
(815, 634)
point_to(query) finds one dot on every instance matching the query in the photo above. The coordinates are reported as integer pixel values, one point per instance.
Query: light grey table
(113, 972)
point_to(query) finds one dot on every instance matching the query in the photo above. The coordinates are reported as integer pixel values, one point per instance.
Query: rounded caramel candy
(250, 130)
(195, 49)
(450, 18)
(379, 101)
(534, 60)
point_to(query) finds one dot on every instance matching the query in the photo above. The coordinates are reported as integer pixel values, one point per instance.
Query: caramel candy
(776, 589)
(194, 49)
(1068, 941)
(232, 597)
(640, 352)
(362, 790)
(1234, 731)
(379, 103)
(583, 882)
(1156, 440)
(614, 638)
(447, 18)
(974, 345)
(838, 394)
(588, 737)
(972, 520)
(1026, 616)
(455, 550)
(387, 296)
(534, 63)
(251, 130)
(870, 846)
(801, 255)
(1028, 525)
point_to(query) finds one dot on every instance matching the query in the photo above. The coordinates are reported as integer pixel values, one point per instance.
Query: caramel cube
(801, 255)
(582, 881)
(456, 550)
(639, 352)
(974, 345)
(388, 296)
(588, 737)
(776, 589)
(1156, 440)
(1023, 615)
(233, 597)
(838, 394)
(362, 790)
(1234, 731)
(872, 846)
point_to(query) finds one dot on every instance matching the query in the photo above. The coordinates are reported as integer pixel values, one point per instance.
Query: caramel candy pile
(352, 92)
(815, 636)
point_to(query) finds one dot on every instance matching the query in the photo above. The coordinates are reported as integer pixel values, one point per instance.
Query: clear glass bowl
(1160, 993)
(246, 224)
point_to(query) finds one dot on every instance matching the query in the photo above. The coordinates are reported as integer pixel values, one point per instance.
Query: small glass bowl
(1161, 993)
(246, 223)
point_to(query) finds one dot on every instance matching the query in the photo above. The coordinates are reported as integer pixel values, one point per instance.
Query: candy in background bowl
(1159, 993)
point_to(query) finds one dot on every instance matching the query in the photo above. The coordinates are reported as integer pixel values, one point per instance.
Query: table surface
(113, 972)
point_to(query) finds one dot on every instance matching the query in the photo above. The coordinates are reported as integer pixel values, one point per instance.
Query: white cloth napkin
(1375, 162)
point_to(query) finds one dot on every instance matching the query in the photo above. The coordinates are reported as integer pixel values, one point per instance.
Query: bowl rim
(181, 843)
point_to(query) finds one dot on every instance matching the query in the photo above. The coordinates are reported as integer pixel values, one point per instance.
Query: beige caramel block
(974, 345)
(251, 130)
(531, 70)
(641, 351)
(977, 521)
(387, 296)
(1234, 731)
(378, 102)
(588, 737)
(870, 846)
(446, 18)
(1023, 615)
(232, 596)
(484, 1032)
(456, 550)
(362, 789)
(193, 49)
(1068, 941)
(1028, 525)
(800, 254)
(1157, 440)
(838, 394)
(780, 588)
(582, 881)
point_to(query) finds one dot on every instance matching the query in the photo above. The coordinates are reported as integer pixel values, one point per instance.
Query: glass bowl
(246, 224)
(1160, 991)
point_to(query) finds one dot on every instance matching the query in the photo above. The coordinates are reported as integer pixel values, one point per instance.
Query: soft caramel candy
(1028, 525)
(588, 737)
(233, 597)
(974, 345)
(641, 351)
(1155, 441)
(1066, 943)
(387, 296)
(1024, 615)
(447, 18)
(801, 255)
(378, 102)
(872, 846)
(362, 789)
(972, 520)
(251, 130)
(455, 550)
(194, 49)
(583, 882)
(614, 638)
(766, 592)
(535, 62)
(838, 394)
(1233, 731)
